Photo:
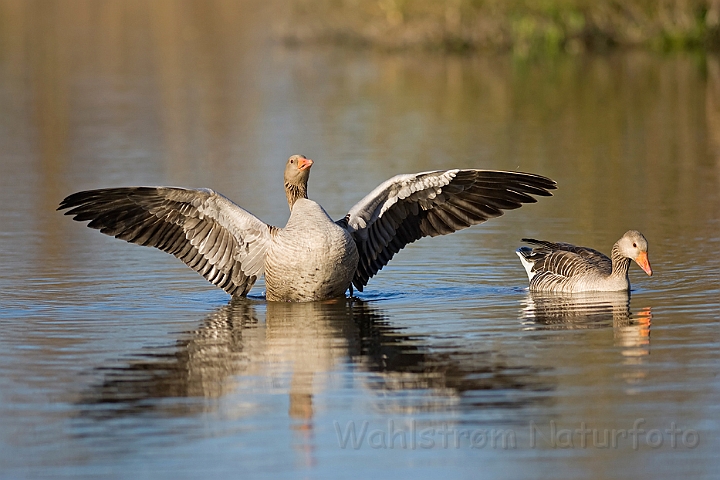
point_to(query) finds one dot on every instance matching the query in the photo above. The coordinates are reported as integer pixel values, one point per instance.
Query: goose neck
(620, 263)
(294, 192)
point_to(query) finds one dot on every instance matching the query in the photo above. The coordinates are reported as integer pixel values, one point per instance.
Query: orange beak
(304, 163)
(642, 260)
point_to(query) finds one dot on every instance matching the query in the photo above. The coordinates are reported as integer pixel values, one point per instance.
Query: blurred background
(523, 27)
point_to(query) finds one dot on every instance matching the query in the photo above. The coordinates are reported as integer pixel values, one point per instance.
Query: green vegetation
(525, 27)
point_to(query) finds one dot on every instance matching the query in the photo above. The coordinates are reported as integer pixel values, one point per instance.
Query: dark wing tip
(102, 196)
(528, 183)
(538, 184)
(541, 243)
(73, 200)
(79, 198)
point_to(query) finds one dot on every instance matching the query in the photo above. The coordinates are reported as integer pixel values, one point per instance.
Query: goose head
(297, 173)
(634, 246)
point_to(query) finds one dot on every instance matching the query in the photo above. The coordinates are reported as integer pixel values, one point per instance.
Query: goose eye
(634, 245)
(292, 160)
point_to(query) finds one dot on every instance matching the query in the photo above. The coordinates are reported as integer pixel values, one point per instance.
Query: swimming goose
(312, 257)
(562, 267)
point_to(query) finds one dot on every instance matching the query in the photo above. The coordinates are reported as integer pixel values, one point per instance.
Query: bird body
(312, 257)
(566, 268)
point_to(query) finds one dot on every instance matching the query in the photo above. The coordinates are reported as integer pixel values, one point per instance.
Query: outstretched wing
(212, 235)
(409, 207)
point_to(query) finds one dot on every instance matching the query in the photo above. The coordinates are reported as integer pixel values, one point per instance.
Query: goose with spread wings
(312, 257)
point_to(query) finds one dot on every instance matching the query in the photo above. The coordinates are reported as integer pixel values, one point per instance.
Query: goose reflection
(543, 311)
(299, 350)
(200, 365)
(575, 311)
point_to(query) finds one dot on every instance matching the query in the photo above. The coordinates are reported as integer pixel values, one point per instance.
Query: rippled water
(119, 361)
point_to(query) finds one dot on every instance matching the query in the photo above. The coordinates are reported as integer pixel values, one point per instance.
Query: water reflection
(295, 350)
(196, 366)
(581, 310)
(591, 310)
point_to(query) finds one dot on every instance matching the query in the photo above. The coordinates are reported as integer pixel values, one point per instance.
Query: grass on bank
(524, 27)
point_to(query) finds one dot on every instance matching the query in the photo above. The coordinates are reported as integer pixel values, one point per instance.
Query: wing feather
(556, 264)
(406, 208)
(211, 234)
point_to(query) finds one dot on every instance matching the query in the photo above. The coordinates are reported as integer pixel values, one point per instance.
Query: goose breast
(311, 258)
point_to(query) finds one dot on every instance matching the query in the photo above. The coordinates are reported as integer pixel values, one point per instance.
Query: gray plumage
(562, 267)
(312, 257)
